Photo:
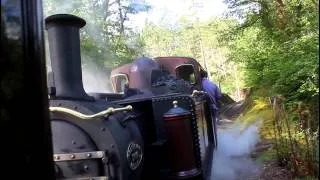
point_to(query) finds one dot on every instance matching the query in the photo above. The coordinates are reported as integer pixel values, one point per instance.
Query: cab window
(119, 82)
(186, 72)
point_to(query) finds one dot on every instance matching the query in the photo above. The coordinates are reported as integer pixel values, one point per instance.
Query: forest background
(267, 45)
(270, 47)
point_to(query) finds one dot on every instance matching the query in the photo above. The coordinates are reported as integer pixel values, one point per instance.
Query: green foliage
(278, 43)
(274, 49)
(294, 146)
(266, 156)
(105, 40)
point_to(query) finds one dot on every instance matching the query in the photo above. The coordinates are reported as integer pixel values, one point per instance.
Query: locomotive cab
(186, 72)
(119, 82)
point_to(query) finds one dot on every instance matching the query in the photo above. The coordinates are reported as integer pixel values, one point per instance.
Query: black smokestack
(64, 45)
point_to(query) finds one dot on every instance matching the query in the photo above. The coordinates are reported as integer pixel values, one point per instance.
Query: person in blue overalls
(214, 94)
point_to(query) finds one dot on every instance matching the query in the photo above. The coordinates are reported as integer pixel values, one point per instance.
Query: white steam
(95, 80)
(231, 160)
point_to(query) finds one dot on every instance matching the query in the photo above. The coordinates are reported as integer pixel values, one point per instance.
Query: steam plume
(94, 79)
(231, 160)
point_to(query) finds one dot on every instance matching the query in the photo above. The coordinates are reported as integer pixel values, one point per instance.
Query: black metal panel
(25, 129)
(112, 135)
(152, 148)
(123, 136)
(68, 138)
(106, 96)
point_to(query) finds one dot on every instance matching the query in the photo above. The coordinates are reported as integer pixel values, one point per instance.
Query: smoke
(231, 160)
(95, 80)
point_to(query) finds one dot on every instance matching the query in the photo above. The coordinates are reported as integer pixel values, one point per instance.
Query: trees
(105, 40)
(274, 46)
(278, 42)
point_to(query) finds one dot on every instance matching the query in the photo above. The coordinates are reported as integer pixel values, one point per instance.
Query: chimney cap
(64, 19)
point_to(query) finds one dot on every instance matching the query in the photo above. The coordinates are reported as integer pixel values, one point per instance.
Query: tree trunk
(122, 19)
(281, 14)
(205, 63)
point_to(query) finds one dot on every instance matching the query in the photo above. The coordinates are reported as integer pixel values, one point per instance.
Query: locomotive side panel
(157, 162)
(206, 135)
(120, 142)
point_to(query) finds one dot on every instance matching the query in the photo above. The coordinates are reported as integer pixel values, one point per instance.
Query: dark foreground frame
(25, 129)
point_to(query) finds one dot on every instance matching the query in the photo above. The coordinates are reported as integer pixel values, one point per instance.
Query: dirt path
(269, 169)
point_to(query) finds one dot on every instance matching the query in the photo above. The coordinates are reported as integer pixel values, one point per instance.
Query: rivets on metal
(59, 104)
(89, 155)
(112, 145)
(103, 129)
(72, 156)
(86, 167)
(75, 107)
(73, 142)
(56, 157)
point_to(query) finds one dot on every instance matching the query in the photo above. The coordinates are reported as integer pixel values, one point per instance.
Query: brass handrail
(196, 92)
(108, 111)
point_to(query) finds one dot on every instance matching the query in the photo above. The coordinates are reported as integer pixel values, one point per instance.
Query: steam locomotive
(156, 125)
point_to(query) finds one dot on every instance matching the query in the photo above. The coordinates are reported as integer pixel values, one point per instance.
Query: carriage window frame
(114, 83)
(194, 74)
